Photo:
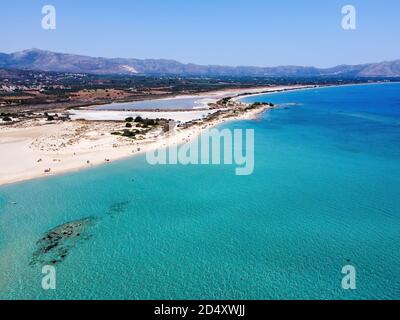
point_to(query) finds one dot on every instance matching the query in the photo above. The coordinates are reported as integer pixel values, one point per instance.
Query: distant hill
(35, 59)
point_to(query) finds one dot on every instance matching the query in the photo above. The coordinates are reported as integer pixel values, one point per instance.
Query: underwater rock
(56, 244)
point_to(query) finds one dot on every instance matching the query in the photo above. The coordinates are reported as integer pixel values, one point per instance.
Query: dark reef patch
(118, 207)
(56, 244)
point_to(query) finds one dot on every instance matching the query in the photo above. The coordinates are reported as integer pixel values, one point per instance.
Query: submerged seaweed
(56, 244)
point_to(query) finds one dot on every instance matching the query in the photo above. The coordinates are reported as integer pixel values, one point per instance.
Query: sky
(218, 32)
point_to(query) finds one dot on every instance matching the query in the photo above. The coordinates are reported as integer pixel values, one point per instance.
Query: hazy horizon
(265, 66)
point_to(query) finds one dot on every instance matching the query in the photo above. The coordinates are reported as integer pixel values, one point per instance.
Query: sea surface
(325, 193)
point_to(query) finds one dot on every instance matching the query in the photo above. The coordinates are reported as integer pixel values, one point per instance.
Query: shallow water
(324, 194)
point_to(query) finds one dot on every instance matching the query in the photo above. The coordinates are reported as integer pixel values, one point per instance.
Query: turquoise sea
(324, 194)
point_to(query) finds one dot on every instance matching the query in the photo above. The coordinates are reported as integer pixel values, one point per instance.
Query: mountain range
(35, 59)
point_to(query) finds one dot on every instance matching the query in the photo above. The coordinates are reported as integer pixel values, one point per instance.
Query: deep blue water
(324, 194)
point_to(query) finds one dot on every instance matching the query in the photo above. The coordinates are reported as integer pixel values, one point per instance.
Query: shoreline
(78, 145)
(30, 151)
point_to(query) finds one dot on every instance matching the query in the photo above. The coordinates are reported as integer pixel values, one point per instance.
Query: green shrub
(128, 134)
(149, 122)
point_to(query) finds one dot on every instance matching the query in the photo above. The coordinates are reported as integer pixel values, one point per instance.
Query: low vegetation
(140, 126)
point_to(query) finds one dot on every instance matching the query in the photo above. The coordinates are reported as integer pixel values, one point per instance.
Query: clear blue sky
(227, 32)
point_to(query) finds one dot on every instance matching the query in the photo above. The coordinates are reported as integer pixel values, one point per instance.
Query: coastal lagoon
(324, 194)
(178, 103)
